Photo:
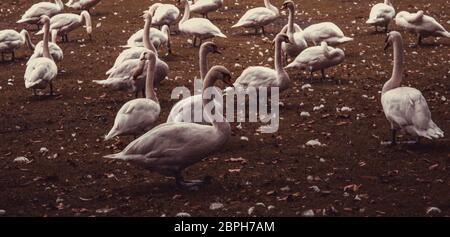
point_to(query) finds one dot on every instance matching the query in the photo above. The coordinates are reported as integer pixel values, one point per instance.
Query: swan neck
(27, 39)
(146, 36)
(397, 71)
(290, 29)
(271, 7)
(278, 58)
(203, 62)
(149, 90)
(223, 126)
(60, 4)
(86, 18)
(186, 14)
(46, 51)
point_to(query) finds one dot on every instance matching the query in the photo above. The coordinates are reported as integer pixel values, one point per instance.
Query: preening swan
(420, 24)
(34, 13)
(10, 40)
(325, 31)
(259, 77)
(126, 63)
(82, 4)
(139, 115)
(62, 24)
(171, 147)
(318, 58)
(157, 38)
(187, 107)
(164, 14)
(205, 6)
(41, 71)
(198, 27)
(297, 42)
(258, 17)
(381, 14)
(405, 107)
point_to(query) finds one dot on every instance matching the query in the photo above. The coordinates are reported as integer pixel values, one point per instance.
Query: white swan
(171, 147)
(420, 24)
(62, 24)
(55, 51)
(205, 6)
(157, 38)
(41, 71)
(34, 13)
(405, 107)
(187, 107)
(264, 77)
(325, 31)
(10, 40)
(139, 115)
(381, 14)
(297, 42)
(82, 4)
(318, 58)
(198, 27)
(164, 14)
(126, 63)
(258, 17)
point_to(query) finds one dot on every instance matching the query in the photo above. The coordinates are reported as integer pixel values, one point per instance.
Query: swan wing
(257, 77)
(39, 70)
(200, 26)
(255, 16)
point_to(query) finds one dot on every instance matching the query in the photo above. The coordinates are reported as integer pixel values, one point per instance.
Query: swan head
(281, 37)
(390, 38)
(211, 47)
(288, 4)
(223, 74)
(44, 19)
(140, 68)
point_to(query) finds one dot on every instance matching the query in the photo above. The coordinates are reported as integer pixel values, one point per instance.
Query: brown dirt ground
(404, 180)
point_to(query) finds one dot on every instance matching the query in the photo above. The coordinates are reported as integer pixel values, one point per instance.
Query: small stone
(308, 213)
(285, 189)
(183, 214)
(43, 150)
(2, 212)
(304, 114)
(22, 160)
(251, 210)
(216, 206)
(433, 210)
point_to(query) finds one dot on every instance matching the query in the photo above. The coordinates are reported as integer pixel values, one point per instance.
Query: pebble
(314, 142)
(216, 206)
(2, 212)
(22, 160)
(183, 214)
(308, 213)
(433, 210)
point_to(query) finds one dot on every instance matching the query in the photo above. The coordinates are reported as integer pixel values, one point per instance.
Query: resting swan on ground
(164, 14)
(82, 4)
(381, 14)
(185, 109)
(405, 107)
(297, 42)
(318, 58)
(139, 115)
(41, 71)
(157, 38)
(205, 6)
(11, 40)
(420, 24)
(197, 27)
(325, 31)
(62, 24)
(258, 17)
(172, 147)
(264, 77)
(34, 13)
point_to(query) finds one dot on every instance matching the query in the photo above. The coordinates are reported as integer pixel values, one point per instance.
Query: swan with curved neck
(205, 6)
(11, 40)
(264, 77)
(258, 17)
(62, 24)
(381, 14)
(42, 71)
(172, 147)
(405, 107)
(139, 115)
(157, 38)
(187, 107)
(164, 14)
(82, 4)
(197, 27)
(318, 58)
(422, 25)
(297, 42)
(34, 13)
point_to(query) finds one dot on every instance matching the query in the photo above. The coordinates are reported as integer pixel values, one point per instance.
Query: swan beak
(228, 82)
(387, 44)
(217, 52)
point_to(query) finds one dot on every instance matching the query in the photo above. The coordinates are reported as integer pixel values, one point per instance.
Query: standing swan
(405, 107)
(10, 40)
(258, 17)
(42, 71)
(34, 13)
(62, 24)
(260, 77)
(318, 58)
(325, 31)
(187, 107)
(139, 115)
(297, 42)
(171, 147)
(205, 6)
(82, 4)
(381, 14)
(198, 27)
(420, 24)
(157, 38)
(164, 14)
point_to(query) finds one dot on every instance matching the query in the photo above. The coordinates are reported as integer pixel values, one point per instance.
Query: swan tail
(23, 20)
(372, 21)
(239, 24)
(445, 34)
(220, 34)
(121, 156)
(345, 39)
(291, 65)
(434, 131)
(39, 32)
(110, 71)
(111, 134)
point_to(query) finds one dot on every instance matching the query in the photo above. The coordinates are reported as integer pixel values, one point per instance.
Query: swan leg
(13, 55)
(386, 28)
(419, 40)
(393, 135)
(3, 56)
(143, 93)
(256, 31)
(194, 41)
(136, 94)
(376, 28)
(323, 74)
(263, 31)
(51, 88)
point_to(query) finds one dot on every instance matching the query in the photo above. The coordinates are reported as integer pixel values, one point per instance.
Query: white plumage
(258, 17)
(82, 4)
(62, 24)
(34, 13)
(381, 14)
(157, 38)
(297, 42)
(205, 6)
(55, 51)
(164, 14)
(325, 31)
(10, 40)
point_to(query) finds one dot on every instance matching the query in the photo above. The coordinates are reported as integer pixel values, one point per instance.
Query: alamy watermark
(263, 105)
